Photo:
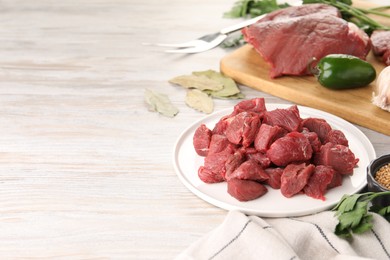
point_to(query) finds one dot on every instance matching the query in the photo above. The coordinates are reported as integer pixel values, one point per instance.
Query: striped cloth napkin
(309, 237)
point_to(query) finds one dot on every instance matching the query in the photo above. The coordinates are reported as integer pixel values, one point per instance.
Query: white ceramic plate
(273, 203)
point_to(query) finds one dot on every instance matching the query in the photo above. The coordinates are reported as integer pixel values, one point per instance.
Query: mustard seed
(382, 176)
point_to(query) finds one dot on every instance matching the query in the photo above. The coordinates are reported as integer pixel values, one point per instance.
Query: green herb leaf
(342, 232)
(355, 15)
(347, 203)
(253, 8)
(358, 16)
(233, 41)
(353, 214)
(365, 224)
(385, 212)
(347, 2)
(352, 218)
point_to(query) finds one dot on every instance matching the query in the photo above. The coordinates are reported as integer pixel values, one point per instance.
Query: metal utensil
(208, 41)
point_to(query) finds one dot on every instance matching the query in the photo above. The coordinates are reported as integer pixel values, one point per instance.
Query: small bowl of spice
(378, 179)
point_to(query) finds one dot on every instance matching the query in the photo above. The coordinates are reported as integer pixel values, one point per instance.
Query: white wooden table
(85, 169)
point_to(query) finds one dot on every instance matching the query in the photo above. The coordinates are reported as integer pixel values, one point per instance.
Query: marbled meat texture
(288, 39)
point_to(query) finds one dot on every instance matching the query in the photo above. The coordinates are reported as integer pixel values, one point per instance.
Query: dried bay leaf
(235, 96)
(229, 90)
(203, 86)
(160, 103)
(225, 94)
(197, 82)
(199, 101)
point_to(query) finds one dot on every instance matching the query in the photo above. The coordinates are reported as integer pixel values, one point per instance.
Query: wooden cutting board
(248, 68)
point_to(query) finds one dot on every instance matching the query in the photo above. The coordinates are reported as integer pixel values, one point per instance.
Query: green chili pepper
(341, 71)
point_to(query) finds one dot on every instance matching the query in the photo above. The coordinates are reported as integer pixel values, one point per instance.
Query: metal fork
(208, 41)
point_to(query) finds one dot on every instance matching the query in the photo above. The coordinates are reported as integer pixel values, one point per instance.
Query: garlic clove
(381, 95)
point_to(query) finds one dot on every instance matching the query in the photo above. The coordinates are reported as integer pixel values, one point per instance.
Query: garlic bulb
(381, 96)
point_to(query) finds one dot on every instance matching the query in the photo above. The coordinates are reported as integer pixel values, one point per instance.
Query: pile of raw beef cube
(253, 149)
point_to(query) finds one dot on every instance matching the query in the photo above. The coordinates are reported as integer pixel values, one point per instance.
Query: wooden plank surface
(85, 169)
(247, 67)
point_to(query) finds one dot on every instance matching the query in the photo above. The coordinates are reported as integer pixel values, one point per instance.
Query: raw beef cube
(248, 150)
(275, 175)
(245, 190)
(221, 126)
(288, 118)
(294, 178)
(233, 162)
(243, 128)
(260, 158)
(313, 139)
(216, 162)
(319, 181)
(338, 156)
(201, 140)
(249, 170)
(293, 147)
(266, 136)
(256, 105)
(219, 143)
(336, 137)
(207, 176)
(319, 126)
(336, 181)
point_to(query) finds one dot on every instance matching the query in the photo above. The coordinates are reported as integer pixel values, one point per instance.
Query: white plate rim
(334, 121)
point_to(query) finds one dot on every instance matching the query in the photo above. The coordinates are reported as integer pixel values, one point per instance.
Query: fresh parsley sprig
(248, 8)
(233, 41)
(355, 15)
(353, 213)
(359, 16)
(253, 8)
